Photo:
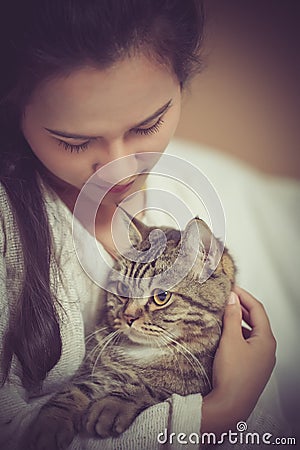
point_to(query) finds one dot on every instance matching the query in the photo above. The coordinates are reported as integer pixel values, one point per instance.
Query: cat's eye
(122, 289)
(160, 297)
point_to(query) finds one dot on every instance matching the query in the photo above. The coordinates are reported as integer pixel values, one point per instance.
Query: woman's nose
(117, 162)
(117, 148)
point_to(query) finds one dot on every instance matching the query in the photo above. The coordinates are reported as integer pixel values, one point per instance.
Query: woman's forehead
(91, 99)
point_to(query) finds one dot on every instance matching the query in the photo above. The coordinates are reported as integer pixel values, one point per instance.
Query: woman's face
(78, 123)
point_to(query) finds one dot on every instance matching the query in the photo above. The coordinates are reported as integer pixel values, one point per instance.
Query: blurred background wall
(246, 101)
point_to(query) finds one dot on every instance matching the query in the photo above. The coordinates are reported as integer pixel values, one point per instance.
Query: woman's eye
(141, 131)
(151, 130)
(74, 148)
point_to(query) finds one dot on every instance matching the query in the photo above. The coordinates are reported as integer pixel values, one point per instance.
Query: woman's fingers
(243, 361)
(246, 333)
(232, 321)
(232, 318)
(246, 316)
(242, 305)
(257, 317)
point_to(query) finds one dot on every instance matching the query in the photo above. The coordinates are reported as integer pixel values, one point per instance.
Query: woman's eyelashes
(73, 148)
(139, 131)
(153, 129)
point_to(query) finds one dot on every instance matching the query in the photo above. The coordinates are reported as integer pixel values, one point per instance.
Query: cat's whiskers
(107, 341)
(90, 354)
(98, 345)
(161, 344)
(212, 356)
(174, 353)
(118, 337)
(218, 325)
(193, 361)
(101, 346)
(182, 350)
(89, 336)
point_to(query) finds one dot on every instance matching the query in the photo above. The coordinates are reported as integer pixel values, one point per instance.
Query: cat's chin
(137, 337)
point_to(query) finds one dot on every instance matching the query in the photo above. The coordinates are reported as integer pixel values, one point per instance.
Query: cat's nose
(130, 319)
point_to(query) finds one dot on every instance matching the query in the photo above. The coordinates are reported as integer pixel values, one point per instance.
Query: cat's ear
(134, 229)
(197, 235)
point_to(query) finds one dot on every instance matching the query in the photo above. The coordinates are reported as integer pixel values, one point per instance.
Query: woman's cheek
(65, 165)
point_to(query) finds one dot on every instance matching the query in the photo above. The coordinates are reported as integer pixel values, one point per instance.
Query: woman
(85, 83)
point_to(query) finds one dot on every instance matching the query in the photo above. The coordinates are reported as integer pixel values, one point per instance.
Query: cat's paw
(109, 416)
(49, 432)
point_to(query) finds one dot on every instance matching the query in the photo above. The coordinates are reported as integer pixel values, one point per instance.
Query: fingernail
(233, 299)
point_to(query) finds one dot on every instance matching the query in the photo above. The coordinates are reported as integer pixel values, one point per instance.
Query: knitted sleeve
(16, 411)
(153, 427)
(168, 425)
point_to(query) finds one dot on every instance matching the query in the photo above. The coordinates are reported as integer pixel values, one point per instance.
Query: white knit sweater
(79, 296)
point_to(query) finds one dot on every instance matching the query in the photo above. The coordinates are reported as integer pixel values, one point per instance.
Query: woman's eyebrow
(65, 134)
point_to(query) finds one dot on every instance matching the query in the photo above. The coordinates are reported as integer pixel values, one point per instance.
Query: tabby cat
(147, 348)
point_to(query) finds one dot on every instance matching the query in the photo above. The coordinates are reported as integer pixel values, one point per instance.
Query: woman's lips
(120, 188)
(117, 188)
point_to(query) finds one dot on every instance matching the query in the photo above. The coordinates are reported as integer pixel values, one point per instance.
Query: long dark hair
(38, 40)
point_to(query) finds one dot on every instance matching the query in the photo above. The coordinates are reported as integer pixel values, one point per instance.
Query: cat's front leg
(110, 416)
(50, 432)
(58, 422)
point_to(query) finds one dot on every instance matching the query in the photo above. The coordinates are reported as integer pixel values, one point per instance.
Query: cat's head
(191, 309)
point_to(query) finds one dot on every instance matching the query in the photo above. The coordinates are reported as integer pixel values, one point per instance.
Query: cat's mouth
(136, 336)
(144, 337)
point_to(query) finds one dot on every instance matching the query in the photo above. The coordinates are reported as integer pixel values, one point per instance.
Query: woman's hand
(243, 364)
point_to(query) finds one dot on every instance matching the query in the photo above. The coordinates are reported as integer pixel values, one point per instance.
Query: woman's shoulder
(6, 213)
(57, 213)
(4, 201)
(9, 231)
(213, 163)
(56, 209)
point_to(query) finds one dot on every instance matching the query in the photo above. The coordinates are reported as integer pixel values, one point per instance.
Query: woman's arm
(243, 364)
(16, 410)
